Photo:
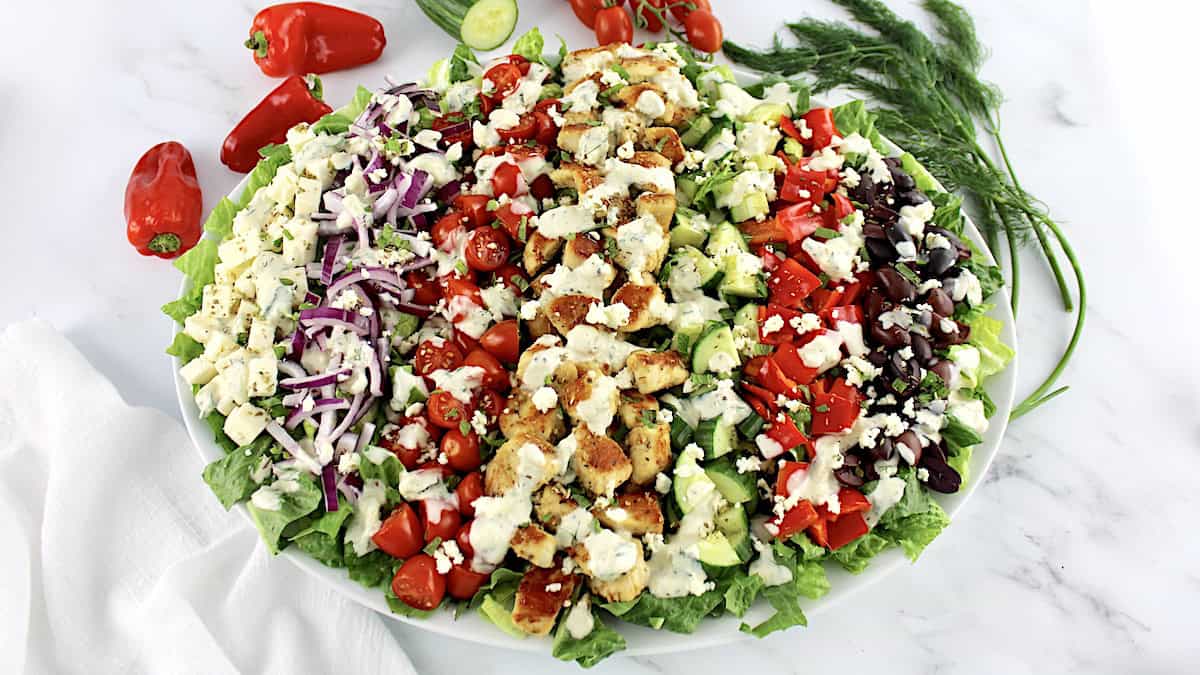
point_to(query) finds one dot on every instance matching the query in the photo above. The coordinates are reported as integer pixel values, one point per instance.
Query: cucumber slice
(717, 551)
(715, 348)
(681, 434)
(793, 149)
(725, 240)
(754, 205)
(686, 338)
(687, 474)
(697, 131)
(767, 113)
(716, 436)
(489, 23)
(501, 616)
(733, 523)
(745, 330)
(736, 488)
(751, 426)
(685, 189)
(689, 258)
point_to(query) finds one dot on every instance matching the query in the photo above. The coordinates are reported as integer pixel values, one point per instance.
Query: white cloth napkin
(116, 559)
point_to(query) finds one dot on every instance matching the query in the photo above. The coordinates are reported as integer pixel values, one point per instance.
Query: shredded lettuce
(743, 589)
(596, 646)
(994, 355)
(371, 570)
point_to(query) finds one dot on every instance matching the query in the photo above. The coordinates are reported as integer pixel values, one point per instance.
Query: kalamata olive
(897, 234)
(895, 336)
(884, 449)
(940, 301)
(868, 472)
(880, 250)
(945, 369)
(847, 477)
(898, 288)
(878, 358)
(912, 197)
(903, 181)
(909, 439)
(892, 163)
(957, 334)
(864, 192)
(851, 460)
(922, 351)
(873, 231)
(874, 303)
(942, 477)
(940, 261)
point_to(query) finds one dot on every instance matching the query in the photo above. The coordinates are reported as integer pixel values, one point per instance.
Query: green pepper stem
(258, 42)
(165, 243)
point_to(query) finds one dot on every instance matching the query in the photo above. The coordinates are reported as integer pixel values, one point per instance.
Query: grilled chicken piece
(551, 503)
(665, 141)
(600, 463)
(539, 251)
(532, 543)
(634, 407)
(646, 304)
(636, 513)
(654, 371)
(504, 470)
(540, 595)
(568, 311)
(649, 451)
(521, 417)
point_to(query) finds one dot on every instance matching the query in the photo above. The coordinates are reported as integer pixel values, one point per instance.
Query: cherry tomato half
(547, 130)
(445, 227)
(490, 402)
(409, 455)
(446, 411)
(503, 341)
(494, 374)
(504, 77)
(436, 354)
(461, 450)
(613, 25)
(507, 274)
(443, 122)
(400, 536)
(418, 584)
(462, 582)
(474, 207)
(703, 31)
(425, 290)
(463, 287)
(466, 492)
(542, 187)
(463, 538)
(487, 249)
(512, 220)
(508, 180)
(441, 519)
(526, 129)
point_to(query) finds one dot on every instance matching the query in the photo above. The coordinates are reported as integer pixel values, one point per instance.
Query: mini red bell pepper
(289, 104)
(820, 122)
(163, 202)
(296, 38)
(790, 284)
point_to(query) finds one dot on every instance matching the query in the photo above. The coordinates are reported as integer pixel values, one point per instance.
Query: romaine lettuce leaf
(596, 646)
(853, 117)
(808, 581)
(293, 506)
(229, 477)
(339, 121)
(370, 570)
(273, 157)
(741, 593)
(184, 347)
(679, 615)
(321, 538)
(855, 556)
(530, 45)
(994, 355)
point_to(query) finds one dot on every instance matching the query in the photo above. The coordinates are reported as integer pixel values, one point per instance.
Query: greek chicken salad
(600, 336)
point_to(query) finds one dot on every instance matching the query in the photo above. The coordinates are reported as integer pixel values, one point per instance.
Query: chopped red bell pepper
(761, 400)
(787, 126)
(820, 122)
(842, 206)
(846, 313)
(790, 284)
(835, 411)
(845, 529)
(767, 231)
(797, 519)
(798, 221)
(817, 532)
(787, 357)
(785, 432)
(825, 298)
(804, 184)
(772, 378)
(786, 333)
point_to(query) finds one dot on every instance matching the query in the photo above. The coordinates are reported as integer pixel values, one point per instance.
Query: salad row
(601, 335)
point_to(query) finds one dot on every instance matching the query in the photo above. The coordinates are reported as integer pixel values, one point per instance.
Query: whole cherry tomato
(585, 10)
(400, 536)
(542, 187)
(504, 78)
(441, 520)
(462, 582)
(525, 129)
(508, 180)
(445, 227)
(490, 402)
(474, 208)
(446, 411)
(613, 25)
(681, 8)
(466, 492)
(461, 450)
(703, 31)
(547, 130)
(648, 13)
(494, 374)
(503, 341)
(425, 290)
(487, 249)
(418, 584)
(463, 538)
(436, 354)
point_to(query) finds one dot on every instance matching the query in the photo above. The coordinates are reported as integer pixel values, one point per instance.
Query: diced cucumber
(697, 131)
(717, 551)
(501, 616)
(768, 163)
(735, 525)
(685, 190)
(751, 426)
(681, 434)
(691, 229)
(717, 340)
(751, 207)
(489, 23)
(406, 325)
(687, 474)
(745, 329)
(686, 338)
(716, 436)
(736, 488)
(688, 258)
(742, 280)
(767, 113)
(793, 149)
(725, 240)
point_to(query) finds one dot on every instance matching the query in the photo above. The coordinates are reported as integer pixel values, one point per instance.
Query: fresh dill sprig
(928, 98)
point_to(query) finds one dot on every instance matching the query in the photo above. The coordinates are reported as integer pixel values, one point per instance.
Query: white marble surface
(1077, 555)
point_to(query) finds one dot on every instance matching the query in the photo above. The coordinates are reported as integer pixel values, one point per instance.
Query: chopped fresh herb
(826, 233)
(464, 428)
(620, 70)
(899, 385)
(907, 272)
(649, 418)
(519, 281)
(287, 234)
(432, 546)
(822, 408)
(280, 351)
(521, 228)
(286, 281)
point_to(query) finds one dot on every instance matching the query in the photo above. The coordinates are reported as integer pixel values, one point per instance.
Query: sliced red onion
(316, 325)
(381, 275)
(449, 191)
(332, 201)
(355, 406)
(307, 315)
(416, 190)
(314, 381)
(375, 376)
(312, 298)
(296, 346)
(329, 487)
(323, 216)
(332, 248)
(320, 405)
(422, 311)
(419, 220)
(385, 202)
(284, 439)
(327, 228)
(295, 398)
(364, 437)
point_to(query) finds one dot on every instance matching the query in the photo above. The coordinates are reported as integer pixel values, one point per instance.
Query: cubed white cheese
(245, 423)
